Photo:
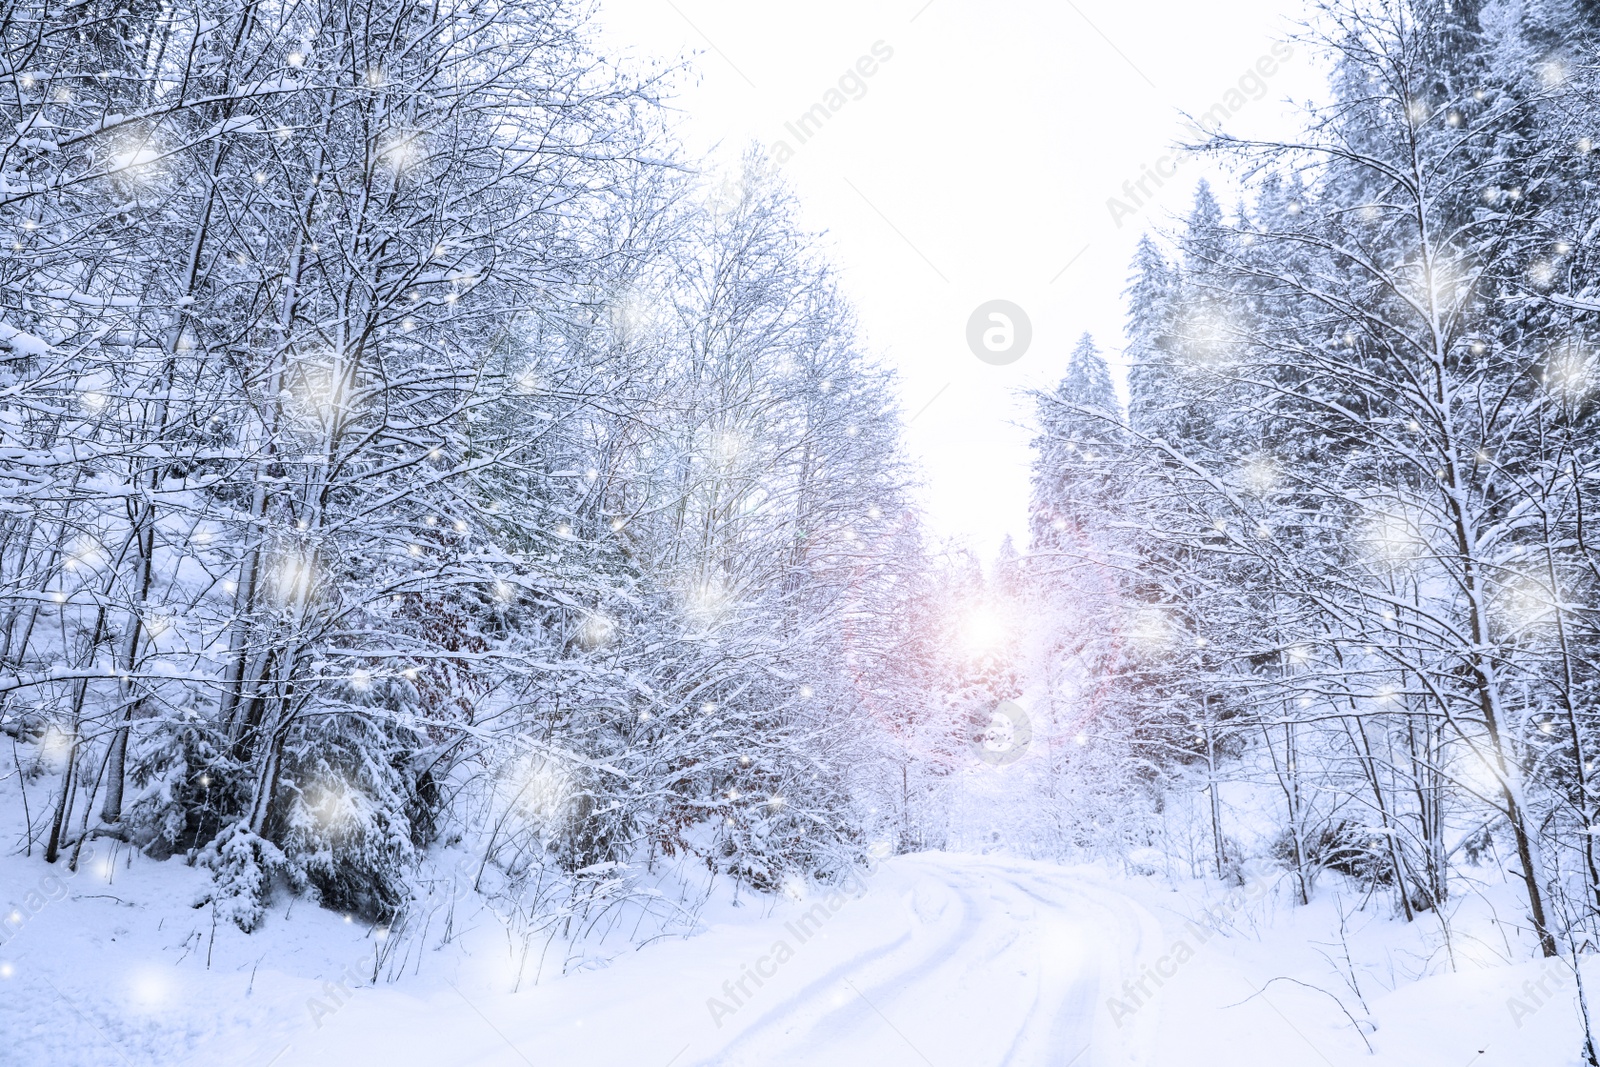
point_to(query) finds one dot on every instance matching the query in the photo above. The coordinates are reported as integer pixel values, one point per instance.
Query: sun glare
(983, 630)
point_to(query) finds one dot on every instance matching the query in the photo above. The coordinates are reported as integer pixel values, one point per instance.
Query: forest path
(958, 961)
(934, 961)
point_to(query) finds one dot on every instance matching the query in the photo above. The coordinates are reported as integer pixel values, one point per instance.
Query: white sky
(976, 166)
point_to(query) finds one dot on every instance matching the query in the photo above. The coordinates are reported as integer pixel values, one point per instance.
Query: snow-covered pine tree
(1375, 474)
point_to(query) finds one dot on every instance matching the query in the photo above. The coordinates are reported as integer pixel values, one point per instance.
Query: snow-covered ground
(935, 959)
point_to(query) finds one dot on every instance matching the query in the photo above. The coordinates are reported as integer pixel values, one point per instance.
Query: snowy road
(943, 961)
(958, 962)
(933, 961)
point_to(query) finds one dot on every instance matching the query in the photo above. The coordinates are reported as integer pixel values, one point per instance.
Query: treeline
(400, 440)
(1342, 542)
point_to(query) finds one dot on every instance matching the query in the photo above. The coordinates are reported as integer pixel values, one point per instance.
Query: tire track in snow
(958, 1002)
(822, 992)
